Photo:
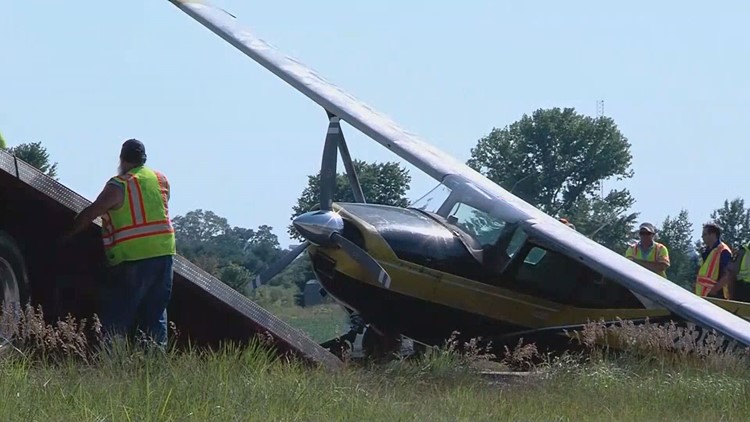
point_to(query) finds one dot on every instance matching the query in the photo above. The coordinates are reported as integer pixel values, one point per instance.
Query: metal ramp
(36, 209)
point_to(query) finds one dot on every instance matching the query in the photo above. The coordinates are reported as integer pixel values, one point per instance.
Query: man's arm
(653, 266)
(110, 197)
(728, 270)
(662, 259)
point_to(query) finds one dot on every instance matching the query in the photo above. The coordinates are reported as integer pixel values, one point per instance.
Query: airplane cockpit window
(477, 223)
(558, 278)
(516, 242)
(432, 200)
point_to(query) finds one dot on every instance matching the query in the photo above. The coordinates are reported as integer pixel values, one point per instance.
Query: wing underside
(438, 164)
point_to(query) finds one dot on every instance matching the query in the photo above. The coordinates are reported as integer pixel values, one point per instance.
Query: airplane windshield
(470, 209)
(432, 200)
(479, 224)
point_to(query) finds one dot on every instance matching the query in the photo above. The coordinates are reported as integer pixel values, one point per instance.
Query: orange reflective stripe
(133, 232)
(706, 280)
(137, 211)
(164, 186)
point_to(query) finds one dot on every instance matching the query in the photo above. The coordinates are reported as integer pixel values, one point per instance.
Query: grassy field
(250, 384)
(321, 323)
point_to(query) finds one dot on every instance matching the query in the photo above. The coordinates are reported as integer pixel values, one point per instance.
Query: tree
(199, 226)
(382, 183)
(235, 255)
(734, 219)
(556, 159)
(605, 220)
(3, 144)
(676, 234)
(553, 157)
(36, 155)
(236, 276)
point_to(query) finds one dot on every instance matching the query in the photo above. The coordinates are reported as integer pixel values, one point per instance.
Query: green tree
(36, 155)
(235, 255)
(3, 144)
(236, 276)
(553, 157)
(734, 219)
(199, 226)
(556, 159)
(382, 183)
(676, 234)
(605, 220)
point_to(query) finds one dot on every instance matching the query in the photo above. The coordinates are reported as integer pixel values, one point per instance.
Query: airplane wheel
(379, 346)
(14, 283)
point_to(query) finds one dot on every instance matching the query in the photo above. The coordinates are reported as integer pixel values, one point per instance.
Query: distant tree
(676, 234)
(382, 183)
(36, 155)
(3, 144)
(734, 219)
(235, 255)
(199, 226)
(556, 159)
(236, 276)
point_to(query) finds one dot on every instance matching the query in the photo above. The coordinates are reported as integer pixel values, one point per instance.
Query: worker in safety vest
(736, 278)
(139, 245)
(714, 260)
(567, 223)
(649, 253)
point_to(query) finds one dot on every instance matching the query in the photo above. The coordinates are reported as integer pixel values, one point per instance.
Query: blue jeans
(135, 297)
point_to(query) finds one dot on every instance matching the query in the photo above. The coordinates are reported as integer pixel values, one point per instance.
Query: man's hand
(656, 267)
(110, 197)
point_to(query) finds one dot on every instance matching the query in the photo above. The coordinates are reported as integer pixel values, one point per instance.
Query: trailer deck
(36, 209)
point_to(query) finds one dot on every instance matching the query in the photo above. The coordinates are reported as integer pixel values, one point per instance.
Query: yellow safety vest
(743, 274)
(635, 252)
(708, 274)
(140, 228)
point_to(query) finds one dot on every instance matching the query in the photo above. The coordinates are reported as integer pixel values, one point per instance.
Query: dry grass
(654, 372)
(664, 344)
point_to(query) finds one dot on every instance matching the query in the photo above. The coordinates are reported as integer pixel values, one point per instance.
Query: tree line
(556, 159)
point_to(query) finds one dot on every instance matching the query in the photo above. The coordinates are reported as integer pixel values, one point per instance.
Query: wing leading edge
(437, 164)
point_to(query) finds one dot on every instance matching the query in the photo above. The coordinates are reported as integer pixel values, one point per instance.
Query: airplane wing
(438, 164)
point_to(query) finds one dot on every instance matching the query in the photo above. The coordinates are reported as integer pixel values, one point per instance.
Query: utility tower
(600, 113)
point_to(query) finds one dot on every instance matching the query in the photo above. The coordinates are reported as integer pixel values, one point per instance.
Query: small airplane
(468, 257)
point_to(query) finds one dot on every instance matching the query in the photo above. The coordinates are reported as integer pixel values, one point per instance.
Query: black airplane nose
(318, 226)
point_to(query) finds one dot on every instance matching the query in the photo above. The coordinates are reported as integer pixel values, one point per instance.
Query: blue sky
(82, 77)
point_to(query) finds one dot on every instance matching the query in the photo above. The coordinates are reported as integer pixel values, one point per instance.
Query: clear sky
(83, 76)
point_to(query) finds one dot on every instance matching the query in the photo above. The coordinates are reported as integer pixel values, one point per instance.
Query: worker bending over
(139, 243)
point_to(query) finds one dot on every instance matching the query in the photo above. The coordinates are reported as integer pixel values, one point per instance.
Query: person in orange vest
(567, 223)
(139, 245)
(649, 253)
(736, 277)
(714, 260)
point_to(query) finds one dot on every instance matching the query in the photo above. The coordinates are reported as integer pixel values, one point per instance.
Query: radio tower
(600, 113)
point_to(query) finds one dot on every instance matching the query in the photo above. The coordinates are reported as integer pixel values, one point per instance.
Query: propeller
(324, 227)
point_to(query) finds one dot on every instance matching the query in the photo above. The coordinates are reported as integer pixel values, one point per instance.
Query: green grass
(55, 380)
(321, 322)
(250, 385)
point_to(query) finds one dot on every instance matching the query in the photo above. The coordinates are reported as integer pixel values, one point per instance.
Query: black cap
(133, 151)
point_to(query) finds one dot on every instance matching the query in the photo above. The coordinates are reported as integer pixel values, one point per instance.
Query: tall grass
(41, 380)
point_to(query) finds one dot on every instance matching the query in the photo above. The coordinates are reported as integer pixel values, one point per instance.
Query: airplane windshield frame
(469, 208)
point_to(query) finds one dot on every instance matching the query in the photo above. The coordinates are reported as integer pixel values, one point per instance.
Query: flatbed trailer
(35, 211)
